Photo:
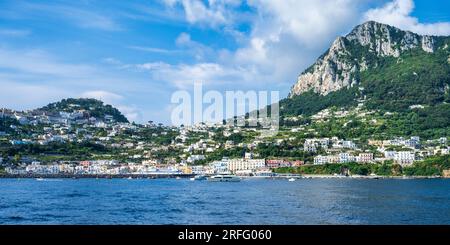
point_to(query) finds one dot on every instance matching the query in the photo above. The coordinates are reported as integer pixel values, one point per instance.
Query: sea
(251, 201)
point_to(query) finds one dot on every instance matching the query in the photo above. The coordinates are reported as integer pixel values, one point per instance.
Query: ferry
(198, 177)
(224, 178)
(264, 174)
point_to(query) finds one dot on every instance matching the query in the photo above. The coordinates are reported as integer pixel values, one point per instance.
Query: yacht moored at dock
(224, 178)
(264, 174)
(198, 177)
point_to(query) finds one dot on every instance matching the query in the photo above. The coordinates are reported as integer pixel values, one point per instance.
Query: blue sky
(135, 54)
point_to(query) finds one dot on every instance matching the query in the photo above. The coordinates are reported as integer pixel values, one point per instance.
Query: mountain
(381, 68)
(367, 48)
(92, 107)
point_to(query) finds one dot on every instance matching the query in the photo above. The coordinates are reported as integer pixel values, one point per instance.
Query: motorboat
(224, 178)
(264, 174)
(198, 177)
(291, 179)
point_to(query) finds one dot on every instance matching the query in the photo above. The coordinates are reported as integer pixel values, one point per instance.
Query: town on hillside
(76, 142)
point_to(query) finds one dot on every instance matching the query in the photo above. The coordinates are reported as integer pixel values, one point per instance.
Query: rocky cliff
(360, 50)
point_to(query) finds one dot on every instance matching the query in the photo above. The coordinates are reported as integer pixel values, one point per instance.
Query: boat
(40, 179)
(264, 174)
(291, 179)
(224, 178)
(198, 177)
(178, 177)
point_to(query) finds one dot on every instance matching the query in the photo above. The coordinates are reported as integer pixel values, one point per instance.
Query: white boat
(291, 179)
(178, 177)
(264, 174)
(198, 177)
(224, 178)
(39, 179)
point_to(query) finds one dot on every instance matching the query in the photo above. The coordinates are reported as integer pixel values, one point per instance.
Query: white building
(389, 154)
(248, 155)
(344, 157)
(194, 158)
(310, 146)
(348, 144)
(404, 157)
(246, 164)
(220, 167)
(365, 157)
(319, 160)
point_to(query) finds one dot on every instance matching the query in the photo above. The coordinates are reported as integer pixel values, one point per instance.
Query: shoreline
(94, 176)
(186, 176)
(312, 176)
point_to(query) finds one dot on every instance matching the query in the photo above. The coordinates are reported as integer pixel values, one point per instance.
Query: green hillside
(96, 108)
(409, 93)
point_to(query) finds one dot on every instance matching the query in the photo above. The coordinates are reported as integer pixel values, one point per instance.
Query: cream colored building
(246, 164)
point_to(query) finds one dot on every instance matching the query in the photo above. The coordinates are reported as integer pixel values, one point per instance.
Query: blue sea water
(251, 201)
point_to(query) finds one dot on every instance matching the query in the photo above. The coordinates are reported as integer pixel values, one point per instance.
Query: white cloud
(184, 39)
(154, 50)
(199, 51)
(212, 13)
(308, 22)
(131, 112)
(183, 75)
(398, 13)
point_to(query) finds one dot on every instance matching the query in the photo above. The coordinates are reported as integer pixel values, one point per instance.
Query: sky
(135, 54)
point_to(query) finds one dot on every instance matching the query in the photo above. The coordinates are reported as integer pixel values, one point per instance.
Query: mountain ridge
(402, 77)
(359, 51)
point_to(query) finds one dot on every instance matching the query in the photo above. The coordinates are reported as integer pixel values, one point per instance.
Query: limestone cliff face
(357, 52)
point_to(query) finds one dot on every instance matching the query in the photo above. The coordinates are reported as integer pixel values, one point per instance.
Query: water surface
(251, 201)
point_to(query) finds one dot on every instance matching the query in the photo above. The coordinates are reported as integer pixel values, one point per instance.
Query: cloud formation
(213, 13)
(285, 37)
